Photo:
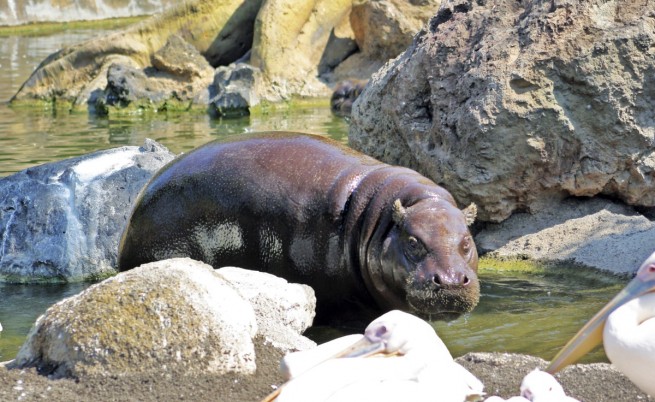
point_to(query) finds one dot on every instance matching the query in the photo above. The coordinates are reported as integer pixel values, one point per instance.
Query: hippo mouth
(442, 303)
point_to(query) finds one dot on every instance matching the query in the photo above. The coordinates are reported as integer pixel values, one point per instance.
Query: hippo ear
(398, 213)
(470, 213)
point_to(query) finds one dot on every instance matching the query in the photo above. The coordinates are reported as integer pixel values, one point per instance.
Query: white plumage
(399, 357)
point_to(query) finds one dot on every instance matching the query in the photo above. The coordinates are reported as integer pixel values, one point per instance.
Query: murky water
(524, 313)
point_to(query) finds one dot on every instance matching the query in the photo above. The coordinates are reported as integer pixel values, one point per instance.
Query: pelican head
(617, 335)
(399, 333)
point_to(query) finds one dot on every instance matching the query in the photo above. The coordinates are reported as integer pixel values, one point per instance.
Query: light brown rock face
(220, 30)
(511, 104)
(290, 38)
(384, 28)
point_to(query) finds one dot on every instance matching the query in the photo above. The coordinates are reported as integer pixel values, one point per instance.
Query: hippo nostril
(436, 280)
(465, 281)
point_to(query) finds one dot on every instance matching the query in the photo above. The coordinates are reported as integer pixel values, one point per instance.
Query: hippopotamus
(308, 209)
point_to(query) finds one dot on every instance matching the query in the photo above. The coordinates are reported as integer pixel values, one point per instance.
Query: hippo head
(427, 261)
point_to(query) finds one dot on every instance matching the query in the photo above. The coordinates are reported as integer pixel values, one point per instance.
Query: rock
(236, 89)
(179, 58)
(340, 45)
(169, 315)
(384, 28)
(289, 41)
(219, 30)
(178, 81)
(563, 108)
(596, 233)
(283, 310)
(62, 221)
(300, 49)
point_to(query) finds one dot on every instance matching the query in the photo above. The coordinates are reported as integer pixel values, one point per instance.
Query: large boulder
(512, 104)
(62, 221)
(176, 315)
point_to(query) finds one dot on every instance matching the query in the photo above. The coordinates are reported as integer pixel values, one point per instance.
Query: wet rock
(62, 221)
(174, 314)
(563, 108)
(178, 80)
(283, 310)
(236, 89)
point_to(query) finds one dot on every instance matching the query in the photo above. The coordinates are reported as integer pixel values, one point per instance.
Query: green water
(523, 313)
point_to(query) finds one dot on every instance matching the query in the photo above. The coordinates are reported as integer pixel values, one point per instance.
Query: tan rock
(220, 30)
(290, 37)
(384, 28)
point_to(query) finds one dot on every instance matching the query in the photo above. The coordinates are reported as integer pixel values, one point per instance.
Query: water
(521, 313)
(28, 11)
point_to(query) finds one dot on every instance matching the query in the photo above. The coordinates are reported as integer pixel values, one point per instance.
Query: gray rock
(596, 233)
(235, 88)
(169, 315)
(513, 105)
(62, 221)
(283, 310)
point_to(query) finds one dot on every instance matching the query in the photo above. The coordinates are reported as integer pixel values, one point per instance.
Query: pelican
(418, 367)
(626, 326)
(538, 386)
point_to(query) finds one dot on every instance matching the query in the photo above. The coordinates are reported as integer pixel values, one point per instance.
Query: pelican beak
(362, 348)
(591, 334)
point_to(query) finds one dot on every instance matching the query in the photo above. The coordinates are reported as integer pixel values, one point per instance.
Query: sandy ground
(501, 374)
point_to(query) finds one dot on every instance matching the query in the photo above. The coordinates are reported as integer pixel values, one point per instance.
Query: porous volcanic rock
(513, 105)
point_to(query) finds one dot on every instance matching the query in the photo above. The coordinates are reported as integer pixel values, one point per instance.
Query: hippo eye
(414, 249)
(466, 246)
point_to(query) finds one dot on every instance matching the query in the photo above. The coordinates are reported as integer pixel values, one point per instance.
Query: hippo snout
(450, 280)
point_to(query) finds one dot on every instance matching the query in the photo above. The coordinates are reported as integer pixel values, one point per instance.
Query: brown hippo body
(312, 211)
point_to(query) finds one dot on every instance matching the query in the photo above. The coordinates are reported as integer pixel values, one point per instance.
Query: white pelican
(538, 386)
(626, 326)
(420, 367)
